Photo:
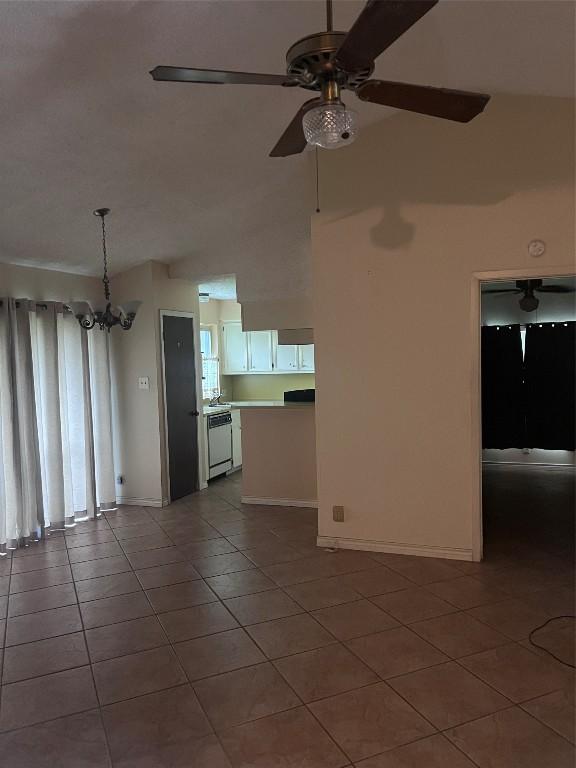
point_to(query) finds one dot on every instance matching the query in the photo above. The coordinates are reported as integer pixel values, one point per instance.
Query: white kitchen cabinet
(307, 358)
(235, 357)
(260, 351)
(286, 356)
(236, 440)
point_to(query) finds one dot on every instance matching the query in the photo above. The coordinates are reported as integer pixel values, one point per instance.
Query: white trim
(475, 382)
(279, 502)
(199, 399)
(132, 501)
(394, 548)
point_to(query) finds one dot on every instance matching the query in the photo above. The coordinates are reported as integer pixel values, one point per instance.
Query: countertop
(239, 404)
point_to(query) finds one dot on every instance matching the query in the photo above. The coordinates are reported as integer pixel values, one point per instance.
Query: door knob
(194, 413)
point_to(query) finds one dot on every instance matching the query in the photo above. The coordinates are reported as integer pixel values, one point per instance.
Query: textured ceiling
(222, 288)
(184, 167)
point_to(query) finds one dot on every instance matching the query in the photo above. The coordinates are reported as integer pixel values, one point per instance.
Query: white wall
(413, 213)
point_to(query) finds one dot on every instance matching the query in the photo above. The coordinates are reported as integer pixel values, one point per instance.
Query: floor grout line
(271, 662)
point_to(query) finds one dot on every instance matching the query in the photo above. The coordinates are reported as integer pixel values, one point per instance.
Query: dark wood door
(181, 404)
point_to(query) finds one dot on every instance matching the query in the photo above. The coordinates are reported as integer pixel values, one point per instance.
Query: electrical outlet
(338, 514)
(143, 382)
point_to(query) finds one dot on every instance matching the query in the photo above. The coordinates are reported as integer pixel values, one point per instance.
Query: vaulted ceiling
(185, 168)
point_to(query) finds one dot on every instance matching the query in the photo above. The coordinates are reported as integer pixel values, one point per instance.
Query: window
(210, 363)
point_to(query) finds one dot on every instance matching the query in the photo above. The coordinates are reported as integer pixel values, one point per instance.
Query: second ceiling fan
(330, 62)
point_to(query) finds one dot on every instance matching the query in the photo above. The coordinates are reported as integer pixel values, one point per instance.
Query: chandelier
(110, 316)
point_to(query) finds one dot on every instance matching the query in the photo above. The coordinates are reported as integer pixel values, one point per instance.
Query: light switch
(143, 382)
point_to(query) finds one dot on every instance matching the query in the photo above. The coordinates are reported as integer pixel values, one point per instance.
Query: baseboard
(279, 502)
(131, 501)
(394, 548)
(528, 464)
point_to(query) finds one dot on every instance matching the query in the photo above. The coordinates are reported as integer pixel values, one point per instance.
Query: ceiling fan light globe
(330, 126)
(529, 303)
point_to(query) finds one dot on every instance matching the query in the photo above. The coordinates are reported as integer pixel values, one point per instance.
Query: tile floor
(212, 635)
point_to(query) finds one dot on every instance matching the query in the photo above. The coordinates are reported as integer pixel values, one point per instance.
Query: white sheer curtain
(56, 456)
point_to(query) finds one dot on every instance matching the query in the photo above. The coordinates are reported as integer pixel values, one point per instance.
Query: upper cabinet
(235, 349)
(286, 356)
(259, 352)
(307, 357)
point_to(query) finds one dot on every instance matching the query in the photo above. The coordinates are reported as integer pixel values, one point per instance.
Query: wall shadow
(518, 143)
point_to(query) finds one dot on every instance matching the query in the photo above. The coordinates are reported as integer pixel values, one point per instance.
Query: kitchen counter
(268, 404)
(208, 409)
(239, 404)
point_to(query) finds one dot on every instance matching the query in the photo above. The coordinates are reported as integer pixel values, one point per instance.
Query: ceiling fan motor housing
(311, 60)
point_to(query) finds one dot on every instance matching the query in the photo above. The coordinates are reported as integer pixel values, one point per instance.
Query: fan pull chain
(317, 184)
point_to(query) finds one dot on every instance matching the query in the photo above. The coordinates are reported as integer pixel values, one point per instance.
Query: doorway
(181, 403)
(527, 385)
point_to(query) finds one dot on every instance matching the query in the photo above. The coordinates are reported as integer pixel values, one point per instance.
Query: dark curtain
(503, 408)
(550, 386)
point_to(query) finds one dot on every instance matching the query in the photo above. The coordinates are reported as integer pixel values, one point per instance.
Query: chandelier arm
(126, 323)
(106, 318)
(86, 322)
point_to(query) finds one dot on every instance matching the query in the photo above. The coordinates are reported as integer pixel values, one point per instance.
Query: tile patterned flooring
(212, 635)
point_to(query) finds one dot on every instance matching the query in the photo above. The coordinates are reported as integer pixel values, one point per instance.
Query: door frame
(165, 463)
(478, 278)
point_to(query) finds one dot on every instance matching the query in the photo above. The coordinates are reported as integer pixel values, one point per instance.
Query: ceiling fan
(528, 301)
(330, 62)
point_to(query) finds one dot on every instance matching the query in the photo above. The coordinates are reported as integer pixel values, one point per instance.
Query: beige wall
(139, 414)
(266, 386)
(410, 213)
(47, 285)
(274, 315)
(279, 454)
(215, 311)
(140, 454)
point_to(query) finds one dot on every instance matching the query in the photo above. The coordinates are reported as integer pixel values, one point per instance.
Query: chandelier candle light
(105, 318)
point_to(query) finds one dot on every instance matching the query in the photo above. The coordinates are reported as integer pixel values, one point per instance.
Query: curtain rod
(40, 305)
(525, 325)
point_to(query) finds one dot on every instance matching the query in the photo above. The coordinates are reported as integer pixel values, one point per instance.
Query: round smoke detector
(536, 248)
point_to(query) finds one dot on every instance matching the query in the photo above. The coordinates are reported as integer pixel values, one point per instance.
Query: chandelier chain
(105, 279)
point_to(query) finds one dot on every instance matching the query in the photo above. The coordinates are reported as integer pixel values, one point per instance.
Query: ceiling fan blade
(461, 106)
(293, 141)
(218, 77)
(555, 289)
(501, 291)
(376, 28)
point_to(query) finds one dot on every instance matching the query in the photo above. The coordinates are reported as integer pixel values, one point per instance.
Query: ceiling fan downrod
(328, 15)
